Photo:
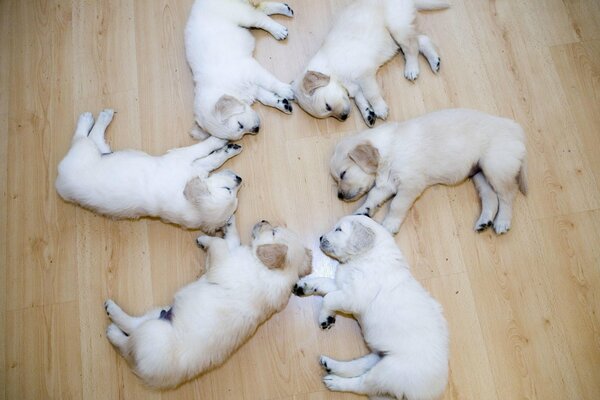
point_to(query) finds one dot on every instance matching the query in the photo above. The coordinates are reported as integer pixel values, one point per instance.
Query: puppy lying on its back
(175, 187)
(210, 318)
(227, 78)
(401, 160)
(365, 36)
(402, 324)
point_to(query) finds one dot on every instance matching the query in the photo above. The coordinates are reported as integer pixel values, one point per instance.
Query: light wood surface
(523, 309)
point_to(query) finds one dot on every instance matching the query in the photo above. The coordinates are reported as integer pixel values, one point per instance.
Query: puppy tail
(522, 177)
(429, 5)
(198, 133)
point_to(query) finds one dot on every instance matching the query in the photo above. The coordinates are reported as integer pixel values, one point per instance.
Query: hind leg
(349, 369)
(410, 48)
(427, 48)
(124, 321)
(489, 202)
(117, 338)
(505, 185)
(84, 125)
(97, 132)
(370, 383)
(272, 7)
(254, 18)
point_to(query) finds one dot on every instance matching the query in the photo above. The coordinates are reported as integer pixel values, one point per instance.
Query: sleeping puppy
(210, 318)
(400, 160)
(175, 187)
(403, 326)
(365, 36)
(227, 78)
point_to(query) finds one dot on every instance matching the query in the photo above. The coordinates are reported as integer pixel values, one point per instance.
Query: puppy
(400, 160)
(175, 187)
(365, 36)
(227, 78)
(210, 318)
(402, 324)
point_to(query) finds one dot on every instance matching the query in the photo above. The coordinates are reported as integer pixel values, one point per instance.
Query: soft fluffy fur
(402, 324)
(401, 160)
(175, 187)
(227, 78)
(365, 36)
(210, 318)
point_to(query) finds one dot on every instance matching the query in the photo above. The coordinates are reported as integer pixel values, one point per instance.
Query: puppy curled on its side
(402, 325)
(175, 187)
(227, 78)
(210, 318)
(365, 36)
(400, 160)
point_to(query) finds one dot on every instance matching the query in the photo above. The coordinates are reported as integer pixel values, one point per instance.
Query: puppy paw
(333, 382)
(105, 116)
(381, 110)
(482, 224)
(501, 226)
(325, 362)
(287, 10)
(411, 72)
(369, 116)
(285, 91)
(284, 105)
(203, 241)
(302, 288)
(279, 32)
(326, 322)
(111, 308)
(115, 335)
(233, 149)
(435, 64)
(85, 121)
(392, 225)
(367, 211)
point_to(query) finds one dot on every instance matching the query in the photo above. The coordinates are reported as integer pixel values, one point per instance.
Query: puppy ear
(227, 106)
(314, 80)
(272, 255)
(307, 265)
(362, 239)
(366, 157)
(194, 190)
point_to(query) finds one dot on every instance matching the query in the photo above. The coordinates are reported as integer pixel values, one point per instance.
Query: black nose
(255, 129)
(343, 117)
(238, 179)
(264, 221)
(340, 195)
(321, 239)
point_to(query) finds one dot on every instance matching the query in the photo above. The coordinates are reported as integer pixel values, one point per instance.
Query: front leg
(266, 80)
(375, 198)
(314, 285)
(272, 100)
(272, 7)
(370, 89)
(257, 19)
(399, 206)
(198, 150)
(365, 108)
(124, 321)
(332, 302)
(215, 247)
(230, 234)
(218, 157)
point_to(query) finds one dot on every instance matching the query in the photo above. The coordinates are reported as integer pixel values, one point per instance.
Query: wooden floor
(523, 309)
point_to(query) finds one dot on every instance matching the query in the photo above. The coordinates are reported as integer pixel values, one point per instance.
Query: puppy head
(215, 196)
(351, 236)
(280, 248)
(234, 118)
(322, 96)
(354, 169)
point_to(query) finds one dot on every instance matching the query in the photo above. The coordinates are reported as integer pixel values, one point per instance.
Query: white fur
(403, 326)
(213, 316)
(132, 184)
(365, 36)
(441, 147)
(219, 51)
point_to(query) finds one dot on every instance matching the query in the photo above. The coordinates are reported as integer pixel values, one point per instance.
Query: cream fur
(213, 316)
(175, 187)
(365, 36)
(219, 51)
(443, 147)
(403, 326)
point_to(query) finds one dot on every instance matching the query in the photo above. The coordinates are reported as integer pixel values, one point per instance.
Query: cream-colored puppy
(210, 318)
(365, 36)
(400, 160)
(227, 78)
(175, 187)
(402, 324)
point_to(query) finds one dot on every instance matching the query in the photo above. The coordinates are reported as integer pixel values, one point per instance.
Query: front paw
(284, 105)
(369, 116)
(367, 211)
(392, 225)
(233, 149)
(279, 32)
(287, 11)
(501, 226)
(111, 308)
(203, 241)
(333, 382)
(325, 363)
(302, 288)
(411, 72)
(381, 110)
(285, 91)
(326, 321)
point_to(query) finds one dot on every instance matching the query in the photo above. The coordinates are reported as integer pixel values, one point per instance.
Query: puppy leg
(371, 91)
(365, 108)
(314, 285)
(217, 158)
(272, 7)
(427, 48)
(267, 81)
(230, 234)
(257, 19)
(349, 369)
(375, 198)
(410, 48)
(84, 125)
(272, 100)
(215, 247)
(118, 338)
(489, 202)
(97, 132)
(501, 172)
(124, 321)
(332, 302)
(506, 194)
(398, 208)
(372, 382)
(198, 150)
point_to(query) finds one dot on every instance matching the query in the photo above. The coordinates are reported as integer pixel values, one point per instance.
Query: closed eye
(327, 107)
(228, 189)
(342, 175)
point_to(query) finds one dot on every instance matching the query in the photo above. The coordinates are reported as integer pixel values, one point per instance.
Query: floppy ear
(307, 265)
(314, 80)
(362, 239)
(194, 190)
(272, 255)
(228, 106)
(366, 157)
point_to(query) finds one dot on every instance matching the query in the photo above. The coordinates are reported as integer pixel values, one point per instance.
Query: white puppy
(175, 187)
(401, 160)
(364, 37)
(402, 324)
(210, 318)
(227, 78)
